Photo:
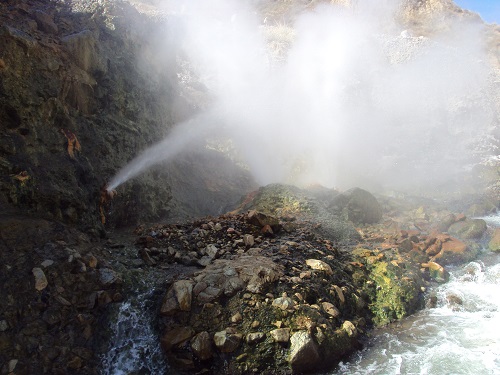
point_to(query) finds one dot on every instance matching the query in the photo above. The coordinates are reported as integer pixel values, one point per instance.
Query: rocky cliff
(80, 98)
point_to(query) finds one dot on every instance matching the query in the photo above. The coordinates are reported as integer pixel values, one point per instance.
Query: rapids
(458, 334)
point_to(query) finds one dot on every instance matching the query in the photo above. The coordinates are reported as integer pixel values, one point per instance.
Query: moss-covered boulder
(494, 244)
(394, 284)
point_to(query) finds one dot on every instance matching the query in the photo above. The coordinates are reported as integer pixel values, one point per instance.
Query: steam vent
(248, 187)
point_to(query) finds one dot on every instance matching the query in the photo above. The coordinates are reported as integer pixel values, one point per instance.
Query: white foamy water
(461, 335)
(134, 347)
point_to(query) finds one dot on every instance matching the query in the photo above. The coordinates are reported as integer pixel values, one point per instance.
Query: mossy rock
(393, 285)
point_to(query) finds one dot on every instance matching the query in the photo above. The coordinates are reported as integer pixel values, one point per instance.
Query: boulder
(262, 220)
(468, 229)
(454, 251)
(178, 298)
(201, 344)
(176, 336)
(183, 290)
(358, 206)
(304, 354)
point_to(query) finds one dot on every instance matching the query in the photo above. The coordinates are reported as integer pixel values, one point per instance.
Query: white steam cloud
(353, 100)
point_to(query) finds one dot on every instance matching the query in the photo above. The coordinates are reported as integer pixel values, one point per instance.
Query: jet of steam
(185, 135)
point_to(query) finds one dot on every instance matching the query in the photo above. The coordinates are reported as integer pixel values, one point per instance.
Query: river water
(460, 335)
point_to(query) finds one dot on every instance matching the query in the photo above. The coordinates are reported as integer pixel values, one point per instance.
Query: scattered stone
(281, 334)
(248, 240)
(319, 265)
(47, 263)
(330, 309)
(227, 342)
(4, 326)
(12, 365)
(236, 318)
(340, 293)
(40, 279)
(255, 337)
(284, 303)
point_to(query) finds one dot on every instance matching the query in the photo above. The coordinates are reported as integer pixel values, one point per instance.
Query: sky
(489, 10)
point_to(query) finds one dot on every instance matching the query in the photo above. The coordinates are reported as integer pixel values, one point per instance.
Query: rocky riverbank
(245, 292)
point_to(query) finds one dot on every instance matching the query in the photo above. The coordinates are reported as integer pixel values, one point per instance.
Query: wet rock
(468, 229)
(281, 335)
(304, 354)
(176, 337)
(437, 272)
(358, 206)
(454, 251)
(108, 277)
(201, 344)
(82, 47)
(40, 279)
(227, 341)
(319, 265)
(494, 243)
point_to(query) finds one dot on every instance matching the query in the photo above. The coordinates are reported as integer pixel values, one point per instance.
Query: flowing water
(134, 346)
(460, 335)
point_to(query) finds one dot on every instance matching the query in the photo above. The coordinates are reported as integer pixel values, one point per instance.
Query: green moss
(391, 284)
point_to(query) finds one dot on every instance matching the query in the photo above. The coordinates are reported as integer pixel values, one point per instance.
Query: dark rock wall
(80, 96)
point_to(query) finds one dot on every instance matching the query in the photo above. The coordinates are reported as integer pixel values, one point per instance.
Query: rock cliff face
(79, 99)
